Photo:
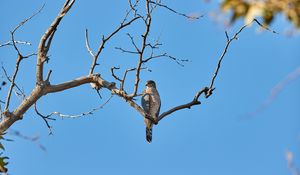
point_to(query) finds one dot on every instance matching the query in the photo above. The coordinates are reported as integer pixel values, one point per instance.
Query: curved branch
(46, 39)
(195, 101)
(208, 90)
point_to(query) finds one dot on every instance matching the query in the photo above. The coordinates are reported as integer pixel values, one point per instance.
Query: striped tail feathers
(149, 134)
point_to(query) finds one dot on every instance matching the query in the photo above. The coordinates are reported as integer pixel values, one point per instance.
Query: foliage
(3, 162)
(267, 9)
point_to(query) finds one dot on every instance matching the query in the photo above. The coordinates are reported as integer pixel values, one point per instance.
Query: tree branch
(10, 43)
(20, 57)
(174, 11)
(105, 39)
(87, 45)
(195, 101)
(46, 39)
(208, 90)
(12, 83)
(142, 49)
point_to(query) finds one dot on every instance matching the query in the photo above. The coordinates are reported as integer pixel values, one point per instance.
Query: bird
(151, 104)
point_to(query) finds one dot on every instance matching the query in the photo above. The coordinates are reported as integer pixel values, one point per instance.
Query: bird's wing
(157, 112)
(146, 102)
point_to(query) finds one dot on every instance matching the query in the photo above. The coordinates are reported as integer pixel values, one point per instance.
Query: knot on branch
(208, 91)
(97, 84)
(7, 113)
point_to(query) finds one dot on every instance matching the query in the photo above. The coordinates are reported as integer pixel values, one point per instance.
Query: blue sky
(209, 139)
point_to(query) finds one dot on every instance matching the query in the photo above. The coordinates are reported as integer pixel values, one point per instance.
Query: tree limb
(142, 49)
(208, 90)
(46, 39)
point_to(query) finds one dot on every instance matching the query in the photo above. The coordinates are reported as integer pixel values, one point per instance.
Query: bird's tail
(149, 134)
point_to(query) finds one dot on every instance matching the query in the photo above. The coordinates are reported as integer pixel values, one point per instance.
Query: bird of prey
(151, 105)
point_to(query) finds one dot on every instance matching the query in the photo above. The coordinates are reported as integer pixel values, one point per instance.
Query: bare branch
(234, 37)
(26, 20)
(105, 39)
(208, 90)
(90, 112)
(9, 79)
(113, 73)
(178, 61)
(48, 76)
(45, 88)
(134, 6)
(45, 118)
(19, 58)
(142, 49)
(263, 26)
(174, 11)
(12, 84)
(87, 43)
(126, 51)
(133, 43)
(46, 40)
(10, 43)
(20, 25)
(195, 101)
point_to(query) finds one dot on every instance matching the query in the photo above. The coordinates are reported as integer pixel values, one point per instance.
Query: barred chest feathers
(154, 100)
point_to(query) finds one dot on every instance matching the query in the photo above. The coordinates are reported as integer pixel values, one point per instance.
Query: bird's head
(150, 83)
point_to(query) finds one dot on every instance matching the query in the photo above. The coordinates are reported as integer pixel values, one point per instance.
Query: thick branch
(45, 88)
(46, 39)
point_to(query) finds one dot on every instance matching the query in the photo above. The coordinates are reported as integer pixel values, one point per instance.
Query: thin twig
(48, 116)
(126, 51)
(9, 79)
(174, 11)
(113, 73)
(105, 39)
(133, 43)
(45, 118)
(134, 6)
(87, 43)
(178, 61)
(10, 43)
(12, 84)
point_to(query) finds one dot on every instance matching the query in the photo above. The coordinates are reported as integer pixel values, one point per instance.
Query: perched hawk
(151, 105)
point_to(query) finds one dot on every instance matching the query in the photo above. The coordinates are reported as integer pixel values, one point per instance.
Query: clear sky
(211, 139)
